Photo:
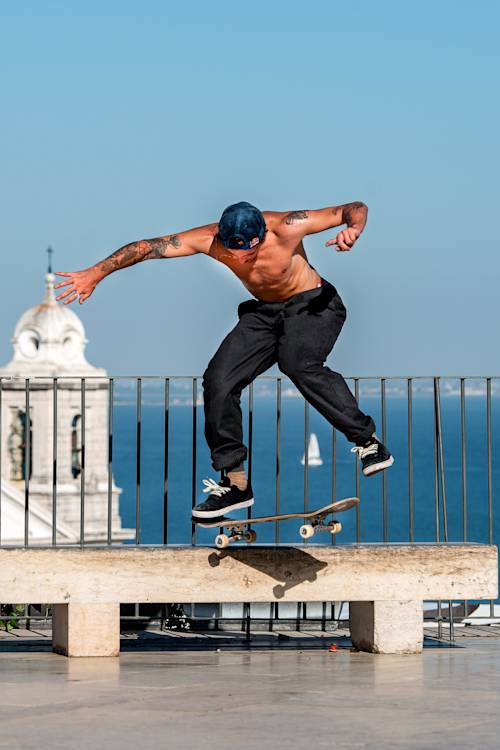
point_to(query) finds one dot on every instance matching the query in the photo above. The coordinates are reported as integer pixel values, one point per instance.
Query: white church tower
(49, 342)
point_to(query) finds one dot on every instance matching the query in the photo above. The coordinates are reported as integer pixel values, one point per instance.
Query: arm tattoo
(295, 216)
(128, 255)
(159, 246)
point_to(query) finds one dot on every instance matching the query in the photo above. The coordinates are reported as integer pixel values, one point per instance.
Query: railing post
(54, 463)
(306, 453)
(193, 454)
(1, 444)
(138, 461)
(110, 458)
(278, 456)
(410, 461)
(82, 473)
(166, 416)
(384, 473)
(27, 460)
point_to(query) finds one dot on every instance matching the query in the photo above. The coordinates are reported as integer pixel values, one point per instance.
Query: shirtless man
(293, 319)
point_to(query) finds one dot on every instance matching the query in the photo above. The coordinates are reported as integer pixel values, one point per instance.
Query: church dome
(49, 339)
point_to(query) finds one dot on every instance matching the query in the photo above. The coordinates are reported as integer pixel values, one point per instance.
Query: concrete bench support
(385, 584)
(387, 627)
(86, 629)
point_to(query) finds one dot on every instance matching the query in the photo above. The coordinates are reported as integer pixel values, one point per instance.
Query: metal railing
(414, 395)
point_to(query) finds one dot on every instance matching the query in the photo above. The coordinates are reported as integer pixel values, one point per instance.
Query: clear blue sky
(123, 120)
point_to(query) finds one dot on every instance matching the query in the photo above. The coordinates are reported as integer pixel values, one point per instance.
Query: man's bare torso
(276, 269)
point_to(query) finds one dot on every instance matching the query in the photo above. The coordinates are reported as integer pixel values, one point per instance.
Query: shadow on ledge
(289, 566)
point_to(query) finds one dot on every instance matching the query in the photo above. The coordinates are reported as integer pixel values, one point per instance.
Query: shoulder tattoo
(295, 216)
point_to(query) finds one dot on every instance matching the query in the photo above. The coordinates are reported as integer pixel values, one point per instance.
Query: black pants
(298, 334)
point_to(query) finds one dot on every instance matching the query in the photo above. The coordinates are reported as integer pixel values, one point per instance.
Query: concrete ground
(213, 690)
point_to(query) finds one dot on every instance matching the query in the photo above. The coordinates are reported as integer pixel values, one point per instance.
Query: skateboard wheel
(336, 528)
(306, 531)
(221, 541)
(251, 536)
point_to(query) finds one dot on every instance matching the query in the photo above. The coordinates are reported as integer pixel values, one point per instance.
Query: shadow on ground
(211, 641)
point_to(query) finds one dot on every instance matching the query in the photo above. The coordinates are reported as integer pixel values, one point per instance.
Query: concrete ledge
(95, 578)
(259, 574)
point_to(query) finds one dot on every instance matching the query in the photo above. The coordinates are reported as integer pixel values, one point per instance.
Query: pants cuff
(228, 464)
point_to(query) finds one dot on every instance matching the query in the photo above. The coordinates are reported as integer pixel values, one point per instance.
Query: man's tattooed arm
(135, 252)
(302, 223)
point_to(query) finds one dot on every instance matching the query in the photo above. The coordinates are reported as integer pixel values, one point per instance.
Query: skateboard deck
(239, 529)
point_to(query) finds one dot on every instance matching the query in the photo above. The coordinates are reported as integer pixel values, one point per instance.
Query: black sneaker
(374, 457)
(224, 497)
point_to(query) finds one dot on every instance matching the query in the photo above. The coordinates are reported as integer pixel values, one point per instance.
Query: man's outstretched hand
(345, 239)
(80, 284)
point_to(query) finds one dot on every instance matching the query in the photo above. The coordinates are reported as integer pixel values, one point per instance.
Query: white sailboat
(313, 454)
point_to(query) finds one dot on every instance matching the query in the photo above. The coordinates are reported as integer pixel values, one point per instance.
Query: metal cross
(49, 253)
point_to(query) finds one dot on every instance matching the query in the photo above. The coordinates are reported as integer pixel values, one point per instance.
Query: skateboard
(240, 529)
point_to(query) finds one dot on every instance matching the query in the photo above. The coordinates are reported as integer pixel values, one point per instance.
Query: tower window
(76, 445)
(17, 444)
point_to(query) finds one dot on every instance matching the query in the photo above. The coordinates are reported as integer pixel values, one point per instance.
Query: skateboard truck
(307, 530)
(236, 534)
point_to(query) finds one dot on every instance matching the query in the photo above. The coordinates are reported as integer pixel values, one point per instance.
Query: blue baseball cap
(239, 224)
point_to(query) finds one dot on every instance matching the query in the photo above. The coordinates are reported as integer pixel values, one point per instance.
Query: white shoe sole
(375, 468)
(222, 511)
